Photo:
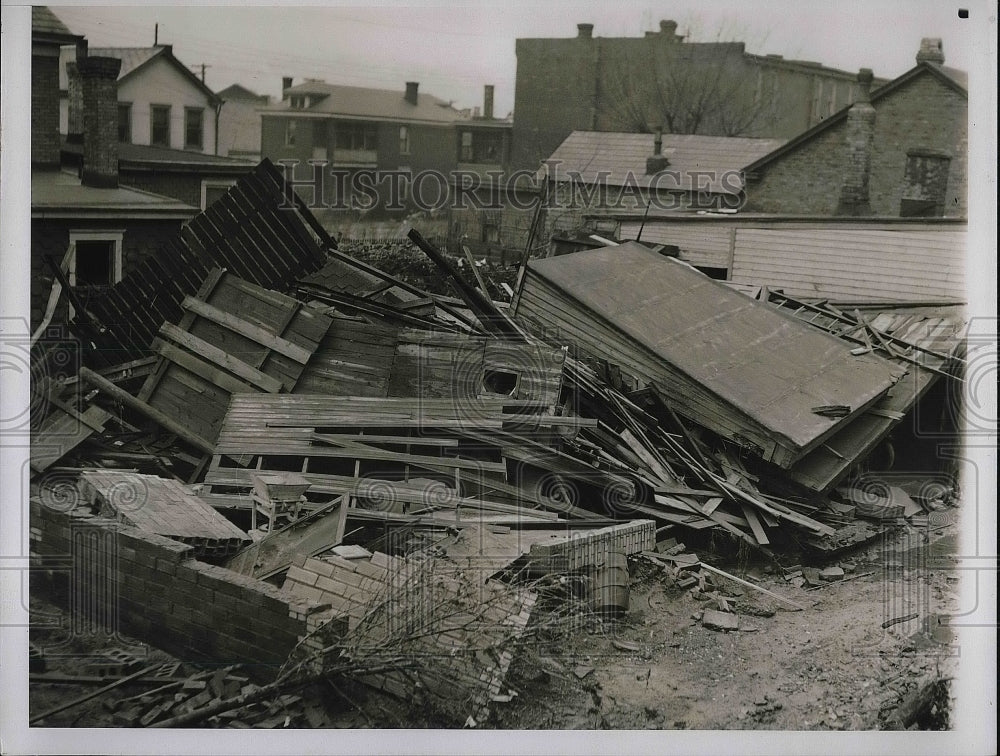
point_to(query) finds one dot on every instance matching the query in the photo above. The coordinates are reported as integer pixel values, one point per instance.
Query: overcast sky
(453, 51)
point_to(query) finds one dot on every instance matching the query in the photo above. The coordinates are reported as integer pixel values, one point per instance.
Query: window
(480, 147)
(319, 140)
(356, 136)
(404, 140)
(159, 125)
(96, 262)
(194, 137)
(290, 127)
(213, 190)
(125, 122)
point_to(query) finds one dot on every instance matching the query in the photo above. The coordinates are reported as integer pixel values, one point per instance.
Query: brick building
(358, 129)
(901, 152)
(592, 83)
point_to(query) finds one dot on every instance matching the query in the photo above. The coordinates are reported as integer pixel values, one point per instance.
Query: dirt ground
(831, 666)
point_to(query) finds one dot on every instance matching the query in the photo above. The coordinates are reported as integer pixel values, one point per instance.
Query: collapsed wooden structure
(625, 394)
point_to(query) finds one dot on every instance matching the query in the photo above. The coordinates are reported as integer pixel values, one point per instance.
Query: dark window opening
(480, 147)
(503, 382)
(159, 129)
(95, 263)
(125, 122)
(214, 192)
(719, 274)
(194, 136)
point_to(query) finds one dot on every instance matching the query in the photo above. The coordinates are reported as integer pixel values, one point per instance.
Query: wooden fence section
(233, 338)
(252, 231)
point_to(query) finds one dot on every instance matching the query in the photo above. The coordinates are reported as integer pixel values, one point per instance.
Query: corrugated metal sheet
(726, 358)
(700, 244)
(851, 264)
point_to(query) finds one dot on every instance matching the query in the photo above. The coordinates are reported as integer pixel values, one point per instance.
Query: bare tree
(660, 81)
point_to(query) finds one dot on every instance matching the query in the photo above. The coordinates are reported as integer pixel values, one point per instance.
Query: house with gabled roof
(161, 103)
(900, 151)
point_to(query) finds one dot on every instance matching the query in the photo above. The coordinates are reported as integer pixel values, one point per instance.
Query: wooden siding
(700, 244)
(849, 264)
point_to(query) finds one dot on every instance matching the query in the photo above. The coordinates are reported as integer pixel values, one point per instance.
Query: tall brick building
(591, 83)
(901, 152)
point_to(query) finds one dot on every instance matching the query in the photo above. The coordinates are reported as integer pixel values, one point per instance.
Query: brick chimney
(411, 92)
(585, 31)
(860, 135)
(931, 51)
(668, 29)
(74, 89)
(658, 161)
(488, 101)
(100, 121)
(286, 83)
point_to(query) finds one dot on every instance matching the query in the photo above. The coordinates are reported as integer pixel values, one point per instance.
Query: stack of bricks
(151, 588)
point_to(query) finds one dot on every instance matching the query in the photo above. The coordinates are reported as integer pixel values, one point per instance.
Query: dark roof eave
(161, 166)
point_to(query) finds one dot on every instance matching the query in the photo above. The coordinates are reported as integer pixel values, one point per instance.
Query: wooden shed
(730, 363)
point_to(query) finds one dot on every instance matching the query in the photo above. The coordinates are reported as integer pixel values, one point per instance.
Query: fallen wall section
(114, 577)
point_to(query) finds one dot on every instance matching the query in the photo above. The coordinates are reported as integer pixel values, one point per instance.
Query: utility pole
(202, 66)
(156, 35)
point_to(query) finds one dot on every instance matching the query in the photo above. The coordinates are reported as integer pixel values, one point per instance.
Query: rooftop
(365, 102)
(58, 193)
(624, 155)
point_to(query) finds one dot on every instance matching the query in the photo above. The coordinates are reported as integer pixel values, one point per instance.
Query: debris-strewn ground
(832, 666)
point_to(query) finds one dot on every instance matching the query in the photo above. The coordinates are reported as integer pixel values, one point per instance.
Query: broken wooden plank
(141, 407)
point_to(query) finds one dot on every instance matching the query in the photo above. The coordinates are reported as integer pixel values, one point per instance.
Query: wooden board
(61, 432)
(234, 337)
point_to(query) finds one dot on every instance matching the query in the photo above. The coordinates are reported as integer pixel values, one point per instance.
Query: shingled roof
(624, 155)
(365, 102)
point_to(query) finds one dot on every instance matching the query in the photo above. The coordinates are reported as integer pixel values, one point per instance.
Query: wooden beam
(253, 332)
(141, 407)
(221, 358)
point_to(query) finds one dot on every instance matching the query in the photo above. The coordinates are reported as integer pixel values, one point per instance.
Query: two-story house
(161, 103)
(355, 131)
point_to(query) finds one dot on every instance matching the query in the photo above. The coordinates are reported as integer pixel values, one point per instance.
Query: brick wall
(150, 588)
(45, 139)
(923, 114)
(592, 84)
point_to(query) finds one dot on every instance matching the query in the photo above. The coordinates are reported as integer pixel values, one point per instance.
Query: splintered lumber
(491, 317)
(93, 694)
(62, 431)
(142, 408)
